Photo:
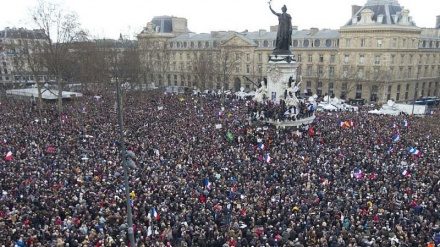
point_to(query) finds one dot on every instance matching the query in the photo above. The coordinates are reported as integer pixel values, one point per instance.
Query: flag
(405, 172)
(390, 149)
(394, 125)
(96, 97)
(396, 137)
(208, 184)
(261, 146)
(219, 113)
(341, 123)
(431, 112)
(5, 140)
(414, 151)
(352, 124)
(181, 99)
(347, 123)
(229, 136)
(405, 123)
(311, 131)
(230, 115)
(154, 214)
(267, 158)
(357, 173)
(8, 155)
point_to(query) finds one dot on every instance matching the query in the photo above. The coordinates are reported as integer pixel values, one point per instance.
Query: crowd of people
(207, 176)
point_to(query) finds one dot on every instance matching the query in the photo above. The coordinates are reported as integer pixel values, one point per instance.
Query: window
(310, 58)
(379, 43)
(332, 58)
(248, 57)
(377, 59)
(320, 70)
(321, 58)
(394, 43)
(306, 43)
(404, 43)
(207, 44)
(346, 59)
(347, 42)
(265, 43)
(363, 42)
(345, 71)
(237, 69)
(376, 72)
(410, 59)
(392, 57)
(248, 68)
(309, 70)
(389, 92)
(260, 69)
(409, 72)
(361, 59)
(298, 58)
(361, 73)
(358, 91)
(237, 56)
(332, 71)
(260, 57)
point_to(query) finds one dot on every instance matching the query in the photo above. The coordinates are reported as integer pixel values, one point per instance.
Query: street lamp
(329, 80)
(125, 163)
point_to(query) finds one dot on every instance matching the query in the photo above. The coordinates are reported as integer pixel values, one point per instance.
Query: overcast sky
(108, 18)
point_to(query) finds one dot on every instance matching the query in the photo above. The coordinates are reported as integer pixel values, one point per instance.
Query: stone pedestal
(279, 69)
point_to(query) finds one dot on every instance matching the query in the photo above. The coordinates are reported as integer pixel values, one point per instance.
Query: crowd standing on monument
(207, 177)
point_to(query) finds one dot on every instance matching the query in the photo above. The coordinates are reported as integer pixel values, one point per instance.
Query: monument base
(296, 123)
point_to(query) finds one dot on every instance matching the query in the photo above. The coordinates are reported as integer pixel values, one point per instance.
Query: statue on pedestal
(284, 34)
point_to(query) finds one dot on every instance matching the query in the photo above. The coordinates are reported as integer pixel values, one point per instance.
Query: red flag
(311, 131)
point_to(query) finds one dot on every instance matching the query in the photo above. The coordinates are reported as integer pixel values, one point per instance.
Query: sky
(109, 18)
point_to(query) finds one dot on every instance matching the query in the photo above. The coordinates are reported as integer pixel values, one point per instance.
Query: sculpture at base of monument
(284, 34)
(291, 89)
(261, 92)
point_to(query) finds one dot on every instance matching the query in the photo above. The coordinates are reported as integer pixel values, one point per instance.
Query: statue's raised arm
(273, 11)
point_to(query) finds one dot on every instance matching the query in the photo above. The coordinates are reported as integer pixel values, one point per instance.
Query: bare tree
(203, 67)
(60, 28)
(350, 77)
(227, 60)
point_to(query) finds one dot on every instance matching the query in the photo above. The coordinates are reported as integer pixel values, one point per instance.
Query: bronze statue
(284, 35)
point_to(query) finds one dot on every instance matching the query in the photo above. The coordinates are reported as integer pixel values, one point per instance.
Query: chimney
(313, 30)
(355, 9)
(261, 32)
(437, 23)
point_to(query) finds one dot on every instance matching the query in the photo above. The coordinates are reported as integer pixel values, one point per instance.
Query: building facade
(379, 54)
(15, 46)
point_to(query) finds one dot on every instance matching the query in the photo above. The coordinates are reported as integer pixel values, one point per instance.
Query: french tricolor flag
(8, 155)
(390, 150)
(405, 123)
(154, 214)
(396, 137)
(219, 113)
(405, 172)
(208, 184)
(267, 158)
(5, 140)
(394, 125)
(261, 146)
